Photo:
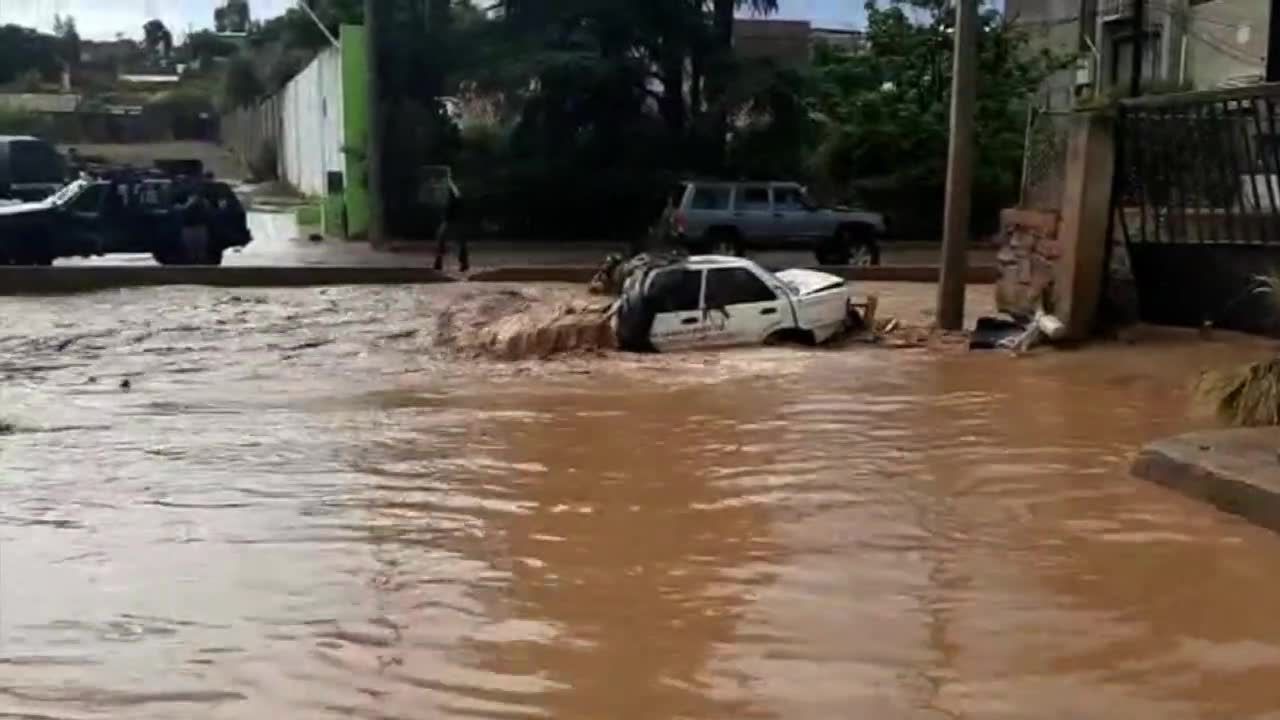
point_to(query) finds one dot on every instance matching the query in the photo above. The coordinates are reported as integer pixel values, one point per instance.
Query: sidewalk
(277, 243)
(1237, 471)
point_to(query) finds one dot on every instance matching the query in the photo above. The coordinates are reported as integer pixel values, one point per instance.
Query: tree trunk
(718, 79)
(673, 105)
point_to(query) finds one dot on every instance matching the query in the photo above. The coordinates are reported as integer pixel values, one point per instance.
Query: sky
(103, 19)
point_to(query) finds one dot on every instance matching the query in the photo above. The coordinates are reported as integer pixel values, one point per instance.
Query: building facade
(1185, 44)
(790, 42)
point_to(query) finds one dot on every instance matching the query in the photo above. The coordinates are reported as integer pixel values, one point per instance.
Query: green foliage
(15, 122)
(232, 17)
(24, 51)
(886, 110)
(68, 39)
(157, 39)
(205, 46)
(241, 85)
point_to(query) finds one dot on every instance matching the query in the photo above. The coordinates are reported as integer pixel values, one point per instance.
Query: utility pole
(955, 238)
(1139, 43)
(1273, 43)
(377, 124)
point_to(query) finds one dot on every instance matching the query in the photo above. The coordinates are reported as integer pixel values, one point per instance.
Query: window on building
(1122, 59)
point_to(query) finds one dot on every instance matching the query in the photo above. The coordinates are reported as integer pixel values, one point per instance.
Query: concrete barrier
(1236, 471)
(981, 275)
(65, 280)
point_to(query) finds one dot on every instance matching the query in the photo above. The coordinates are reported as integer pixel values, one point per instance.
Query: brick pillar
(1082, 235)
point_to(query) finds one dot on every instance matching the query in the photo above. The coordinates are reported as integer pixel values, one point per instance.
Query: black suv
(180, 221)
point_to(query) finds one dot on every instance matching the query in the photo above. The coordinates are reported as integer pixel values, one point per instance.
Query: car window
(89, 201)
(676, 290)
(788, 198)
(736, 286)
(221, 196)
(152, 196)
(35, 162)
(710, 198)
(753, 198)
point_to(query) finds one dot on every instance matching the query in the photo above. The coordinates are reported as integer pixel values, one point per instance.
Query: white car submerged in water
(715, 301)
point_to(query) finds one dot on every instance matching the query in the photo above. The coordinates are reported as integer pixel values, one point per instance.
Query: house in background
(790, 42)
(1185, 43)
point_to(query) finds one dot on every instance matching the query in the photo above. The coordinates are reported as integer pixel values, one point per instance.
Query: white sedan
(714, 301)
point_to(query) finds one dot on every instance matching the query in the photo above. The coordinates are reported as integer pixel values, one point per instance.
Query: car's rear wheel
(833, 253)
(852, 245)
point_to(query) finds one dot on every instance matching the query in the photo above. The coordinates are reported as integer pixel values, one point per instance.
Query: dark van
(30, 168)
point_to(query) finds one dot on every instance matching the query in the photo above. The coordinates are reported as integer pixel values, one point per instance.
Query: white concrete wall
(311, 124)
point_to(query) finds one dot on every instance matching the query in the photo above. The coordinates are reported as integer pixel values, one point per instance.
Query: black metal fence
(1197, 205)
(1201, 167)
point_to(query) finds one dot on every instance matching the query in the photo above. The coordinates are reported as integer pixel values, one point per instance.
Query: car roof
(725, 183)
(16, 138)
(704, 262)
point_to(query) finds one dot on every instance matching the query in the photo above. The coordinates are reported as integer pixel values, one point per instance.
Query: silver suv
(727, 218)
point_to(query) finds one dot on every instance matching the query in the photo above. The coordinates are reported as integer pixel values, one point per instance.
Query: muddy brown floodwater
(304, 508)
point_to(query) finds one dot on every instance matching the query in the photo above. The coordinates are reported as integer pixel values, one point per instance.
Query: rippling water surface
(302, 509)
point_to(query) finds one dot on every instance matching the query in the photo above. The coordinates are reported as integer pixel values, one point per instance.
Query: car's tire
(850, 243)
(723, 241)
(833, 253)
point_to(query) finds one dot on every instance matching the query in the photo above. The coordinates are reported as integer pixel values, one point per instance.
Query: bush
(20, 122)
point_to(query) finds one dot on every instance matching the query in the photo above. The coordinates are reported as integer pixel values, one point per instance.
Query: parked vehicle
(729, 218)
(188, 221)
(30, 168)
(715, 300)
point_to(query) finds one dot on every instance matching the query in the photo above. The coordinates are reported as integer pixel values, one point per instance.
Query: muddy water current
(304, 507)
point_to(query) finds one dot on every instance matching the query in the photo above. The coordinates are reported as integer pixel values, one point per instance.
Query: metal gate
(1197, 203)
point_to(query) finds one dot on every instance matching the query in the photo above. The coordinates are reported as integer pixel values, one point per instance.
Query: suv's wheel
(833, 253)
(723, 242)
(852, 245)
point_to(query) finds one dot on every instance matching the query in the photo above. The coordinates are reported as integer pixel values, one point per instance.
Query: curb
(67, 280)
(1236, 471)
(76, 279)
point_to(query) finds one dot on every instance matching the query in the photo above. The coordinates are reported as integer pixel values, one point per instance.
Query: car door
(741, 309)
(676, 294)
(82, 227)
(791, 216)
(753, 213)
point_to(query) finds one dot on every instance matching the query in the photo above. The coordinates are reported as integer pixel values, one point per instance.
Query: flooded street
(304, 507)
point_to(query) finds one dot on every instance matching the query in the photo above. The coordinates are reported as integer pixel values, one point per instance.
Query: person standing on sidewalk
(448, 217)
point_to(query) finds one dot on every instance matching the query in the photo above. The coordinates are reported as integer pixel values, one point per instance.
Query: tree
(885, 110)
(232, 17)
(205, 46)
(241, 85)
(64, 28)
(24, 51)
(157, 39)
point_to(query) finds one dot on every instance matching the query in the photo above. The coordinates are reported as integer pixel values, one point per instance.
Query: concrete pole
(955, 239)
(377, 125)
(1139, 46)
(1273, 43)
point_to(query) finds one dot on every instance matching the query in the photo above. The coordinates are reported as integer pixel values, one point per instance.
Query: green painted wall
(355, 102)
